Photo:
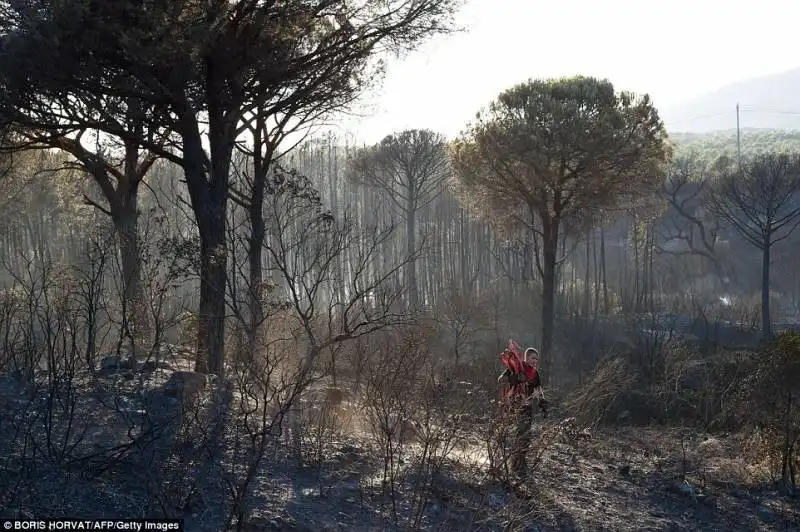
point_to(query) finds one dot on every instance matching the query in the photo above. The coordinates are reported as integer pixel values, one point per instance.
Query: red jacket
(523, 376)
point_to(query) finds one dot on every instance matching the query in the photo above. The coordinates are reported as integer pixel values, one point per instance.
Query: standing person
(523, 381)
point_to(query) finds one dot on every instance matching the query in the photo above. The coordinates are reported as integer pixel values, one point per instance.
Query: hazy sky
(672, 49)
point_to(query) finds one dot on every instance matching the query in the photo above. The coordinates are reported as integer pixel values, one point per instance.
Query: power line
(771, 111)
(698, 117)
(742, 108)
(739, 109)
(750, 109)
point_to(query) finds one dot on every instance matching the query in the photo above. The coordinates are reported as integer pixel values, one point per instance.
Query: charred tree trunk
(213, 275)
(209, 194)
(787, 470)
(549, 251)
(125, 217)
(596, 273)
(411, 246)
(651, 285)
(125, 214)
(255, 269)
(586, 278)
(766, 323)
(464, 245)
(255, 240)
(623, 285)
(606, 303)
(634, 305)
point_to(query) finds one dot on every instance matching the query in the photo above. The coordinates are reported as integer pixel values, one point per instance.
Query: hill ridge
(766, 102)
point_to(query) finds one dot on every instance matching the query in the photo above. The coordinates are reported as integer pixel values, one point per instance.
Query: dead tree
(411, 168)
(207, 66)
(761, 201)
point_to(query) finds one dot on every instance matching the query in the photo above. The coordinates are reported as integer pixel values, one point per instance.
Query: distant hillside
(769, 102)
(709, 146)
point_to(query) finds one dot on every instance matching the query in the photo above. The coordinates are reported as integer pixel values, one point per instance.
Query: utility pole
(738, 138)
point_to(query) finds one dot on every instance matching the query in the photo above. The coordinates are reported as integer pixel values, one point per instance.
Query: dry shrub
(412, 415)
(661, 380)
(741, 459)
(591, 403)
(498, 433)
(460, 319)
(712, 384)
(276, 346)
(769, 402)
(326, 417)
(273, 387)
(763, 458)
(353, 362)
(481, 374)
(187, 326)
(394, 378)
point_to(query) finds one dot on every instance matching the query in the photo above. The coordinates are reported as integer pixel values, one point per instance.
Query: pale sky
(672, 49)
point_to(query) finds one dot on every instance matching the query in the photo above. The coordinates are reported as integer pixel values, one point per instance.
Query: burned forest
(220, 306)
